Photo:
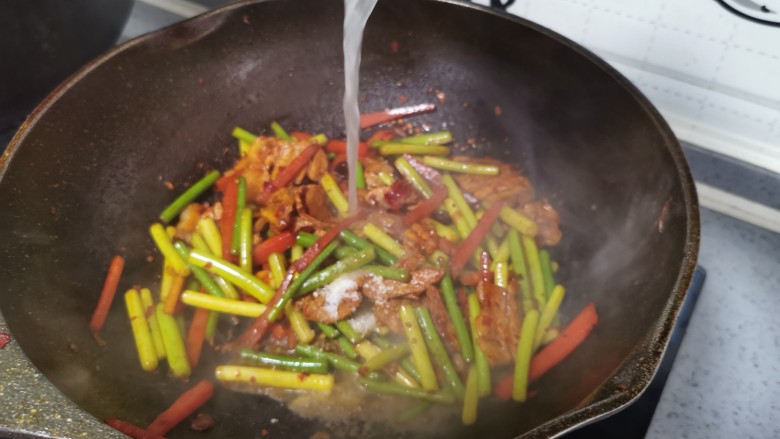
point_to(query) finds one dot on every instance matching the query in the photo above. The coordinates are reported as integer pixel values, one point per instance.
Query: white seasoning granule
(341, 289)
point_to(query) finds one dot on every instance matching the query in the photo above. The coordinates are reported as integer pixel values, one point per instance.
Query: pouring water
(356, 14)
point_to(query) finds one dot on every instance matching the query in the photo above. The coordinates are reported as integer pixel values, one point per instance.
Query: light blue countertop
(726, 378)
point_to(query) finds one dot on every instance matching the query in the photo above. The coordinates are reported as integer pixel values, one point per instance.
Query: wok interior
(87, 180)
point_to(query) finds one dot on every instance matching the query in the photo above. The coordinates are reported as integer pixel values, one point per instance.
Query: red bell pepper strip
(572, 336)
(340, 147)
(197, 335)
(229, 203)
(425, 208)
(295, 166)
(131, 430)
(274, 244)
(107, 295)
(184, 406)
(469, 245)
(371, 119)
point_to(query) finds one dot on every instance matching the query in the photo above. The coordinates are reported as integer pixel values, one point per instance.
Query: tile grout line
(182, 8)
(738, 207)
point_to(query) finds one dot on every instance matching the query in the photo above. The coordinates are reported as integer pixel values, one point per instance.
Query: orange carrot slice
(197, 335)
(184, 406)
(107, 294)
(572, 336)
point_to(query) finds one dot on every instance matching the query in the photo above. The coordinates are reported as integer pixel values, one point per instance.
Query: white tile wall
(714, 76)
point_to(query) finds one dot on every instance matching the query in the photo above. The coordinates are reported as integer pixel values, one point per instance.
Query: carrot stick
(552, 354)
(381, 135)
(131, 430)
(571, 337)
(184, 406)
(276, 244)
(197, 335)
(177, 285)
(340, 147)
(229, 203)
(469, 245)
(336, 146)
(293, 168)
(107, 294)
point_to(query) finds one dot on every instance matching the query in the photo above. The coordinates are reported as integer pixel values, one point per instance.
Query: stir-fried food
(436, 286)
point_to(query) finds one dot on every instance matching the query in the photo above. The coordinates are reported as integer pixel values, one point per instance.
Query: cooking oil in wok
(356, 14)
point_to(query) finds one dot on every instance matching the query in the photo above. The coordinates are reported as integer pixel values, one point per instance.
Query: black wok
(43, 42)
(83, 179)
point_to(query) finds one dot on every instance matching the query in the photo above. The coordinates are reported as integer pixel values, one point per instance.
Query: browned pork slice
(278, 209)
(509, 185)
(387, 314)
(547, 219)
(333, 302)
(266, 158)
(381, 290)
(421, 237)
(377, 197)
(411, 260)
(433, 301)
(385, 221)
(372, 167)
(314, 210)
(318, 166)
(188, 220)
(418, 241)
(498, 323)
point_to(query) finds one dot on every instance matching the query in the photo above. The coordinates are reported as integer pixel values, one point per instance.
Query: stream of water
(356, 13)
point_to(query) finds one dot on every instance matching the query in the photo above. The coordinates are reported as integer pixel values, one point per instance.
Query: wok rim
(657, 340)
